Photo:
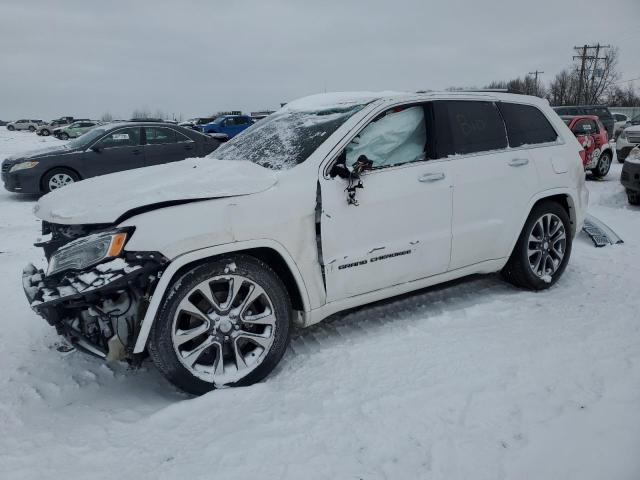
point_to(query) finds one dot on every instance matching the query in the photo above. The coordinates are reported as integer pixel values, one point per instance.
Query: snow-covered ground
(474, 380)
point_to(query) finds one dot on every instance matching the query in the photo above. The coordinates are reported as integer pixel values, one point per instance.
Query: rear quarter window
(526, 125)
(468, 126)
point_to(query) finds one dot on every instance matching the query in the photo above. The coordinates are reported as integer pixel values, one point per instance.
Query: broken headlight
(87, 251)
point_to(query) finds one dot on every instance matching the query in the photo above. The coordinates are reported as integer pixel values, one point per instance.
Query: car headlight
(88, 251)
(23, 166)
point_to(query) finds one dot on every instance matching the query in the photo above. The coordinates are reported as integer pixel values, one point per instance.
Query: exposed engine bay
(98, 308)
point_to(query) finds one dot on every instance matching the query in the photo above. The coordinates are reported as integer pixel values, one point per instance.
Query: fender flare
(187, 258)
(541, 196)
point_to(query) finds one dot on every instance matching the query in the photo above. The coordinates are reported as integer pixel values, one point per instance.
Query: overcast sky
(84, 58)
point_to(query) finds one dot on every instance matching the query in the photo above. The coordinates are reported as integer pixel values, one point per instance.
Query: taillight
(583, 156)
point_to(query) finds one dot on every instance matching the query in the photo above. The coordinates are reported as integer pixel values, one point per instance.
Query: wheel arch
(563, 198)
(57, 167)
(270, 252)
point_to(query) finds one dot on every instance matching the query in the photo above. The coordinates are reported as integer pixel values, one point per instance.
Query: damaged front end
(94, 292)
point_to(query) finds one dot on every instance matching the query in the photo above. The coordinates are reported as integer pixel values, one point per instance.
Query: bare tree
(141, 113)
(603, 74)
(526, 85)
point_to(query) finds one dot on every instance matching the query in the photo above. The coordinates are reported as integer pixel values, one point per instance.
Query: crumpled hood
(107, 198)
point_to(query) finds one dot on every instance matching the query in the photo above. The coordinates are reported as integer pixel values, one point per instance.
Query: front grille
(633, 137)
(5, 167)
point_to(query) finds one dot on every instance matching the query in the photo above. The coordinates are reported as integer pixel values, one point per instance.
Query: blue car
(230, 125)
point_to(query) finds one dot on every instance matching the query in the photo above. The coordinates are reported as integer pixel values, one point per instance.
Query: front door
(400, 229)
(119, 150)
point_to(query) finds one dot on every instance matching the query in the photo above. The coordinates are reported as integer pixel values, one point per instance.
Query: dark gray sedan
(104, 149)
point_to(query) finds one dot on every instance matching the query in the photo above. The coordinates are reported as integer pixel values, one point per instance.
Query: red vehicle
(593, 137)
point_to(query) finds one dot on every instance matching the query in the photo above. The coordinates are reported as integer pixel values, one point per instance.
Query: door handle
(188, 147)
(518, 162)
(431, 177)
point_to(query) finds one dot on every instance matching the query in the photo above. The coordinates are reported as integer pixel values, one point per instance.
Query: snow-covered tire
(519, 270)
(633, 197)
(32, 128)
(11, 128)
(603, 166)
(227, 326)
(44, 132)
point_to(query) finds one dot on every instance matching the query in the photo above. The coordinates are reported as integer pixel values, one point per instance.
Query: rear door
(492, 183)
(120, 150)
(164, 145)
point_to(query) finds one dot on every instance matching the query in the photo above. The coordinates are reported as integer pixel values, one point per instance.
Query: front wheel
(58, 178)
(32, 128)
(222, 323)
(64, 136)
(44, 132)
(603, 166)
(543, 249)
(11, 128)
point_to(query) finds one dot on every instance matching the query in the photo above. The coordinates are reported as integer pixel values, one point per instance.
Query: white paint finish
(490, 196)
(396, 213)
(106, 198)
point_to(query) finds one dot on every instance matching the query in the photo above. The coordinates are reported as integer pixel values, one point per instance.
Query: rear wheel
(542, 250)
(603, 166)
(58, 178)
(64, 136)
(11, 128)
(222, 323)
(45, 132)
(633, 197)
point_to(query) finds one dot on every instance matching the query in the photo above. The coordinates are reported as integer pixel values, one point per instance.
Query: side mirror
(96, 148)
(362, 164)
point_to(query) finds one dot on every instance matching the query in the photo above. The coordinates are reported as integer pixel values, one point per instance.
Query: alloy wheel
(59, 180)
(223, 328)
(547, 245)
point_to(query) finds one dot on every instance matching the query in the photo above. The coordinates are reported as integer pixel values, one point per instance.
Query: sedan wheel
(64, 136)
(59, 180)
(45, 132)
(224, 323)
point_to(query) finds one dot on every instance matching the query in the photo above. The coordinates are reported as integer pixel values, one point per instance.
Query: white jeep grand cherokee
(334, 201)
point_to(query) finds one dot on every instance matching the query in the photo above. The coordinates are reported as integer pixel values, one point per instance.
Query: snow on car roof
(324, 101)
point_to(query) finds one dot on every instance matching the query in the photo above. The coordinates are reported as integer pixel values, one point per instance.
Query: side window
(526, 125)
(181, 137)
(159, 136)
(583, 127)
(467, 126)
(395, 137)
(127, 137)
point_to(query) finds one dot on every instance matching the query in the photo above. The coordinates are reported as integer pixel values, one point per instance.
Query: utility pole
(586, 56)
(535, 80)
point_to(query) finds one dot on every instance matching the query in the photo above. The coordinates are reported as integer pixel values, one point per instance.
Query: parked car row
(104, 149)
